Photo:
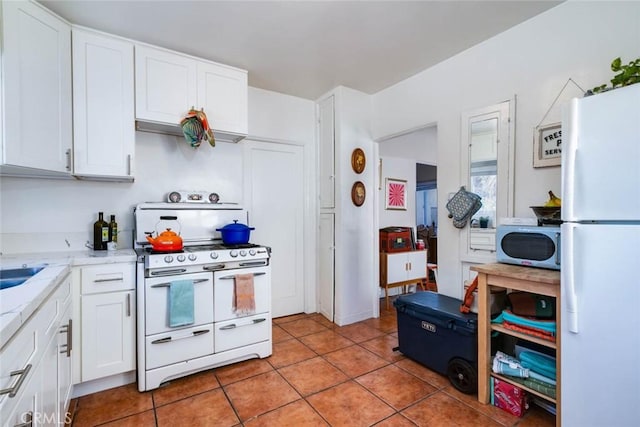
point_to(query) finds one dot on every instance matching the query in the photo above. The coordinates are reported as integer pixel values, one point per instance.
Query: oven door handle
(233, 277)
(168, 272)
(170, 339)
(167, 284)
(233, 325)
(213, 267)
(253, 263)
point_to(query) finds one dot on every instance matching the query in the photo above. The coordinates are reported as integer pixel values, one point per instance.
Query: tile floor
(318, 375)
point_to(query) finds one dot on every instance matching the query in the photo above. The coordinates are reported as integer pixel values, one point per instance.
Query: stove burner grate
(219, 246)
(155, 252)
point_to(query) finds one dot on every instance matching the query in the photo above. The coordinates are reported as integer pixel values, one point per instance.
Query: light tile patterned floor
(319, 375)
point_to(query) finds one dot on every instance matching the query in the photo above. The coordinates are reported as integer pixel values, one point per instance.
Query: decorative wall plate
(358, 193)
(358, 160)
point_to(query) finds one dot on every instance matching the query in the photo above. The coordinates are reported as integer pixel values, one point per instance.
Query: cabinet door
(222, 92)
(64, 349)
(103, 106)
(417, 264)
(397, 267)
(49, 384)
(165, 85)
(28, 404)
(327, 152)
(326, 265)
(36, 56)
(108, 334)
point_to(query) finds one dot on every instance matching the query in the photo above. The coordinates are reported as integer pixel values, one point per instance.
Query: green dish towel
(181, 303)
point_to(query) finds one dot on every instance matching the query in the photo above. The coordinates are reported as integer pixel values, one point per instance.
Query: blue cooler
(433, 332)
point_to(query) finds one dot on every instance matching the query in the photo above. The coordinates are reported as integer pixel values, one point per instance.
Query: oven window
(535, 247)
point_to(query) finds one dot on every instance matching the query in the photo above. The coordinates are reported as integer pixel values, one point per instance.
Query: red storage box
(509, 398)
(395, 239)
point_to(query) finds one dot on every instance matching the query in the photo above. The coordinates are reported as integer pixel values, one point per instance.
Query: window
(486, 166)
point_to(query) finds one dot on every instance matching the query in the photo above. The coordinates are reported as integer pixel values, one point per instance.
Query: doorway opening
(427, 209)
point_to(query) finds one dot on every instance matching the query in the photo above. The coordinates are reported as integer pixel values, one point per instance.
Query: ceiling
(306, 48)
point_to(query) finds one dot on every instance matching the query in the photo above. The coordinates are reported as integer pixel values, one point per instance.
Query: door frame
(309, 208)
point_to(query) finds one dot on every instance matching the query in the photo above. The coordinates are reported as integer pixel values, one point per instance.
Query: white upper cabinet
(103, 106)
(326, 147)
(222, 92)
(165, 85)
(36, 86)
(168, 84)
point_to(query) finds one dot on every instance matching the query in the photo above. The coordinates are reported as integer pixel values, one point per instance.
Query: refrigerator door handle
(568, 277)
(569, 149)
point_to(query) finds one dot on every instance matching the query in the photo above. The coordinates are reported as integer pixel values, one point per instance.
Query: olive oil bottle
(113, 230)
(100, 233)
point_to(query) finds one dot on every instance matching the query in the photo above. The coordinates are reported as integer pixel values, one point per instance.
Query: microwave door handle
(558, 249)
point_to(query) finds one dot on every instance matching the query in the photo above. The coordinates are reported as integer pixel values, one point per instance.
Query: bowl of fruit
(550, 211)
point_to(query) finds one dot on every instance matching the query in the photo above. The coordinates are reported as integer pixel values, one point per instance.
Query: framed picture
(358, 160)
(547, 146)
(395, 193)
(358, 193)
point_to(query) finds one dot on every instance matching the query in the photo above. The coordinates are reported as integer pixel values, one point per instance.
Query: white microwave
(531, 246)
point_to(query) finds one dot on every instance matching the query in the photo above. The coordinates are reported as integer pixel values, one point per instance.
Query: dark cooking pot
(235, 234)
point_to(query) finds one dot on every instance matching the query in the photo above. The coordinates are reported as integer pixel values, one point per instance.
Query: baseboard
(94, 386)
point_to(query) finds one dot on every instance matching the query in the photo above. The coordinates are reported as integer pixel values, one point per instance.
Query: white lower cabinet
(28, 406)
(64, 348)
(108, 313)
(403, 266)
(33, 390)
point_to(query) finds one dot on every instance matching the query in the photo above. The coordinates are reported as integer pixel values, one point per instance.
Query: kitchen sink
(11, 277)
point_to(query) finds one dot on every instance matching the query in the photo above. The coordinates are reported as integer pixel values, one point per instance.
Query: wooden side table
(535, 280)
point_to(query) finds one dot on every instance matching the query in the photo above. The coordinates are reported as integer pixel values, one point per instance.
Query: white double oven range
(217, 333)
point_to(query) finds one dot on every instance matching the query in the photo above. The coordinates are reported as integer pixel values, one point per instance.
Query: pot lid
(235, 227)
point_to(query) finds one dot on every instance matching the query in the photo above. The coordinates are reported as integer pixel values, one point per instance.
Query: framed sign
(358, 193)
(395, 194)
(547, 146)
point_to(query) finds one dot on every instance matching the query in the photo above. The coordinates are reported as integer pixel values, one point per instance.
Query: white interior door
(274, 197)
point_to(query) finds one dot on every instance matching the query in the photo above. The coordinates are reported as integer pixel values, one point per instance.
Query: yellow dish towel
(243, 296)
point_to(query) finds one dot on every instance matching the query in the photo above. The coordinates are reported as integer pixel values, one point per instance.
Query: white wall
(399, 156)
(39, 214)
(533, 61)
(356, 268)
(421, 145)
(393, 167)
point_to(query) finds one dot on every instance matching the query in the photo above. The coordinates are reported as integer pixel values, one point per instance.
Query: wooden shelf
(503, 330)
(524, 387)
(528, 279)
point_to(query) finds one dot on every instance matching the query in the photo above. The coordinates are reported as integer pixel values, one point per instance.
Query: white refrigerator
(600, 259)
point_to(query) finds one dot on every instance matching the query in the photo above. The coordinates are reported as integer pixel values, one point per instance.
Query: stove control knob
(252, 252)
(193, 257)
(180, 258)
(214, 255)
(243, 253)
(233, 253)
(168, 259)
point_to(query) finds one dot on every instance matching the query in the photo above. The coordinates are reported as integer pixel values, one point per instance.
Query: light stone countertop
(18, 303)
